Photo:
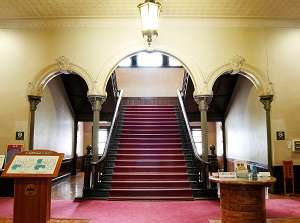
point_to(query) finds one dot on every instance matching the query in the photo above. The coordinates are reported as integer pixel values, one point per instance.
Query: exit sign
(19, 135)
(280, 135)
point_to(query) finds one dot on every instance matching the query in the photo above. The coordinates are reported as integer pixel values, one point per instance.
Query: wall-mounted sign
(280, 135)
(19, 135)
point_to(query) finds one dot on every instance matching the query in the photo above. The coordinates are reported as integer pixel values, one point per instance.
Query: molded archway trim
(256, 76)
(193, 70)
(36, 87)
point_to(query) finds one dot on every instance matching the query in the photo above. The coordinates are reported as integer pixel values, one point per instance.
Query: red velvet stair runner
(150, 163)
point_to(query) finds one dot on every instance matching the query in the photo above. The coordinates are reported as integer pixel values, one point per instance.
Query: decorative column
(96, 101)
(266, 101)
(34, 101)
(203, 102)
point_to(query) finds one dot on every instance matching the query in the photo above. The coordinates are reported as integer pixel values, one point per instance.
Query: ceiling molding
(135, 22)
(68, 23)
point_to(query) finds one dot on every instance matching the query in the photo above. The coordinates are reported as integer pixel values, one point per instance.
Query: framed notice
(34, 163)
(240, 165)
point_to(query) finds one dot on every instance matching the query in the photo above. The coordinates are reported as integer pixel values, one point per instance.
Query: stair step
(150, 119)
(150, 111)
(150, 169)
(157, 198)
(150, 127)
(155, 192)
(149, 151)
(150, 107)
(149, 131)
(150, 176)
(149, 156)
(150, 122)
(149, 136)
(150, 184)
(149, 115)
(150, 145)
(143, 163)
(149, 140)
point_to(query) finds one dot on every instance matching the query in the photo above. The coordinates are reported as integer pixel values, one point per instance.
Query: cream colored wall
(284, 66)
(201, 49)
(54, 120)
(150, 82)
(245, 125)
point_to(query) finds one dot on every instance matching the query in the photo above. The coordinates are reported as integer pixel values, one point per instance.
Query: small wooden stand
(288, 173)
(33, 171)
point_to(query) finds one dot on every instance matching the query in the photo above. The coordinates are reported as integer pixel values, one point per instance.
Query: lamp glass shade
(149, 12)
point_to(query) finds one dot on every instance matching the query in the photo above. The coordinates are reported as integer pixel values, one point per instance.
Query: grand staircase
(149, 159)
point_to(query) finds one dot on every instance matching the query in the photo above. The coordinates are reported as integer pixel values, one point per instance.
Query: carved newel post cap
(89, 149)
(212, 149)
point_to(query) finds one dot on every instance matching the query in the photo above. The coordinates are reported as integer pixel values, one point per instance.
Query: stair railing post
(203, 102)
(213, 161)
(87, 171)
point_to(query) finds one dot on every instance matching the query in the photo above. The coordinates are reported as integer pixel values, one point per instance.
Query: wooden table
(243, 199)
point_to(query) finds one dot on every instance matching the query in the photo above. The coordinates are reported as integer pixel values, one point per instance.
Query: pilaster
(266, 101)
(203, 102)
(96, 102)
(33, 101)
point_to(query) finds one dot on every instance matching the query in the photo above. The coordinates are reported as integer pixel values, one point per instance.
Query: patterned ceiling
(83, 9)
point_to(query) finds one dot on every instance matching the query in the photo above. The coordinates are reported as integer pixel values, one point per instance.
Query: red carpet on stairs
(149, 164)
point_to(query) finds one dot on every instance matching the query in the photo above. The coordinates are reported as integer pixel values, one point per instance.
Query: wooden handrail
(96, 167)
(117, 110)
(181, 105)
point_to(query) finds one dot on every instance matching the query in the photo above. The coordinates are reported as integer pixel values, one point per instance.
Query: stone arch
(255, 75)
(36, 87)
(107, 69)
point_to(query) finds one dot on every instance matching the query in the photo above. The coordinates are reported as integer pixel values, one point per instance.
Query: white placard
(264, 174)
(33, 165)
(227, 174)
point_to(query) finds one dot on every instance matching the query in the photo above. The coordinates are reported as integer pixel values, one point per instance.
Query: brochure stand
(32, 171)
(288, 173)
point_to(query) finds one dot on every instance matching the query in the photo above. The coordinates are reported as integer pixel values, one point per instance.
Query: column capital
(203, 101)
(34, 101)
(96, 101)
(266, 101)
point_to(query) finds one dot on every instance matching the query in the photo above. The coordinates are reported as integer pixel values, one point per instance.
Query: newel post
(87, 171)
